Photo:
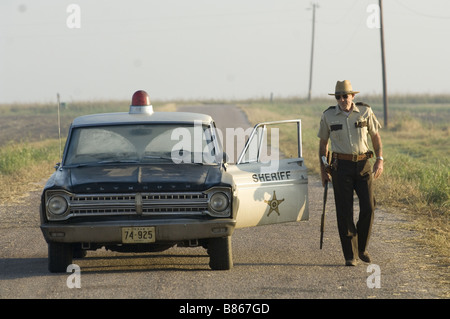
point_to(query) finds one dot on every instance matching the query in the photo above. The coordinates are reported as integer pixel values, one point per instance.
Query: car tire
(220, 255)
(60, 255)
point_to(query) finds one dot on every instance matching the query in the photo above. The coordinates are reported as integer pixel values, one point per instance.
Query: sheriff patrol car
(144, 181)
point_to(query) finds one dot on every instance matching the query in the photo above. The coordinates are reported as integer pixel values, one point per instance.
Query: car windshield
(143, 144)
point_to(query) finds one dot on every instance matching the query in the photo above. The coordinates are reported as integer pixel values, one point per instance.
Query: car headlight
(57, 205)
(219, 202)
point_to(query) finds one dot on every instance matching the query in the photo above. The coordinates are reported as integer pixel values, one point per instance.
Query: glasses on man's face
(338, 97)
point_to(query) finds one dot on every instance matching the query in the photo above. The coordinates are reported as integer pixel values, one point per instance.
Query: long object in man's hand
(325, 191)
(322, 220)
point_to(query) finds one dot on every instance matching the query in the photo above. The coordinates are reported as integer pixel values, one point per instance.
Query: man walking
(347, 125)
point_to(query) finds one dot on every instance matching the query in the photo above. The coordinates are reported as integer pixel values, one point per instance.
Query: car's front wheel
(60, 255)
(220, 255)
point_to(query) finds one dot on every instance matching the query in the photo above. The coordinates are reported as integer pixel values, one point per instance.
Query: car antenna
(59, 128)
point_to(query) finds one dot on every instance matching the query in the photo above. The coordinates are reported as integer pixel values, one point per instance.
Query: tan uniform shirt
(348, 134)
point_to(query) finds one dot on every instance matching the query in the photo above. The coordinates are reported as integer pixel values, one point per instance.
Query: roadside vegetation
(415, 148)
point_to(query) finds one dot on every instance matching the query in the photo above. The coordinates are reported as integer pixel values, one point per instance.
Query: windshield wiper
(118, 162)
(158, 157)
(77, 165)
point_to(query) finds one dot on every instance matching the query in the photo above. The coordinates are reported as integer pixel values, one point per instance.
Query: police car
(144, 181)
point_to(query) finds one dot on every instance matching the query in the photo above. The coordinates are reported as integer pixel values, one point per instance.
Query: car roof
(127, 118)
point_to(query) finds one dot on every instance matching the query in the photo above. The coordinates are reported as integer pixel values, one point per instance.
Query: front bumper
(111, 231)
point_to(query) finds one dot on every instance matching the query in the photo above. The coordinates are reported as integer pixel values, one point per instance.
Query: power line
(421, 13)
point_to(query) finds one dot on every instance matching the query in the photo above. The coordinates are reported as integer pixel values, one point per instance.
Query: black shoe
(364, 256)
(350, 262)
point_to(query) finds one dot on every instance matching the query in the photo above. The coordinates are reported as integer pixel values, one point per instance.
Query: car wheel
(220, 255)
(60, 255)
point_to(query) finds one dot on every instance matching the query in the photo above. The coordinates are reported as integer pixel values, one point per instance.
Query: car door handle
(298, 161)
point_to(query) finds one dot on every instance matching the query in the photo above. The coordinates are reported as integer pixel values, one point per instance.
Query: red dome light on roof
(140, 103)
(140, 98)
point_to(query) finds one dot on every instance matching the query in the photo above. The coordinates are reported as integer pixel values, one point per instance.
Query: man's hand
(377, 168)
(325, 176)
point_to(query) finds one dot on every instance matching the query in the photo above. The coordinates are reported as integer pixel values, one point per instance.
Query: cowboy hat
(343, 87)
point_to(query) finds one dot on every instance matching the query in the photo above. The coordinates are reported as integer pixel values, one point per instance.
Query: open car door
(270, 176)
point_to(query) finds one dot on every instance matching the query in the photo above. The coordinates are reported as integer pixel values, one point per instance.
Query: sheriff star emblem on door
(273, 204)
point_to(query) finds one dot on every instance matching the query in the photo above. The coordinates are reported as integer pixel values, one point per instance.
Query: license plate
(137, 235)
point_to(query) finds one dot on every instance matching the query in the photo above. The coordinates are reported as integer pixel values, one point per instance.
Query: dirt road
(270, 262)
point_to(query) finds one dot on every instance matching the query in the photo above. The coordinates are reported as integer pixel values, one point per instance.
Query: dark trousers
(347, 178)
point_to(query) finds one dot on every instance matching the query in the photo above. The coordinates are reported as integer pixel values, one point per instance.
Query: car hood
(126, 179)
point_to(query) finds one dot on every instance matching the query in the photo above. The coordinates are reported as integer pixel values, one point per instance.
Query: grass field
(415, 147)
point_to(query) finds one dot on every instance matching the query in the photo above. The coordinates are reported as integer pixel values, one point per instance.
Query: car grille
(139, 203)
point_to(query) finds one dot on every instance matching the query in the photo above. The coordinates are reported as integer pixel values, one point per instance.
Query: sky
(88, 50)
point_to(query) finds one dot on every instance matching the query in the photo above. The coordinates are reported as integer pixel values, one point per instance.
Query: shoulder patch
(362, 104)
(331, 107)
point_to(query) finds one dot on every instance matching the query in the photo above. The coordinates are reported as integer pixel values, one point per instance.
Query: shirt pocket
(336, 131)
(361, 129)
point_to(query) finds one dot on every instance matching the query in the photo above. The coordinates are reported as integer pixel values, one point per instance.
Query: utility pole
(385, 103)
(314, 5)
